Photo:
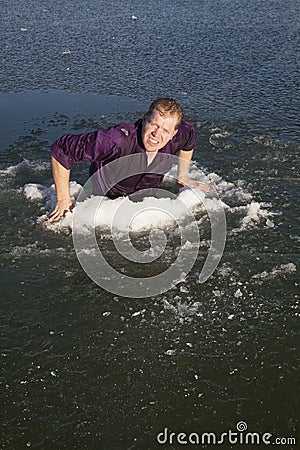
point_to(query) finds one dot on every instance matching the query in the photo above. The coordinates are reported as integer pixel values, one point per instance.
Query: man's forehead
(157, 113)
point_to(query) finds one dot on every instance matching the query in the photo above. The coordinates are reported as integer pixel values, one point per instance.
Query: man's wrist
(182, 179)
(64, 200)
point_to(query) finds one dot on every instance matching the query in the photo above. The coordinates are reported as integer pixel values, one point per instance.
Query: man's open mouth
(153, 141)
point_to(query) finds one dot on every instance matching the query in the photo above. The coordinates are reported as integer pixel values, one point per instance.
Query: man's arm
(68, 150)
(61, 177)
(183, 171)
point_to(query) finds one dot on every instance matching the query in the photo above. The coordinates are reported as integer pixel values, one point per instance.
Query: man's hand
(187, 181)
(61, 208)
(64, 204)
(183, 168)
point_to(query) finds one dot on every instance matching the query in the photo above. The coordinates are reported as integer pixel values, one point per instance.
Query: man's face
(158, 130)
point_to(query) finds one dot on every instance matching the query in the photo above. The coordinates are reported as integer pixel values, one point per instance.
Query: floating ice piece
(282, 269)
(23, 166)
(133, 17)
(169, 307)
(253, 211)
(23, 29)
(170, 352)
(137, 313)
(270, 224)
(217, 293)
(34, 191)
(184, 289)
(238, 293)
(185, 310)
(66, 52)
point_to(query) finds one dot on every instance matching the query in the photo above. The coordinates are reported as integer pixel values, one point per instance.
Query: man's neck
(150, 156)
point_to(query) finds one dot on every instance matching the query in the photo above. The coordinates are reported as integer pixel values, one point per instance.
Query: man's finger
(52, 214)
(204, 187)
(198, 184)
(56, 216)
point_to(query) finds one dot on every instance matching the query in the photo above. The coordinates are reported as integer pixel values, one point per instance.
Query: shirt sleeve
(186, 137)
(70, 149)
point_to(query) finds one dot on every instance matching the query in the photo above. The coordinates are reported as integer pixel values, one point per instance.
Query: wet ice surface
(209, 348)
(76, 347)
(100, 212)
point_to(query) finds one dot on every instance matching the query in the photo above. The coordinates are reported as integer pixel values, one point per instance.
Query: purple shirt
(102, 147)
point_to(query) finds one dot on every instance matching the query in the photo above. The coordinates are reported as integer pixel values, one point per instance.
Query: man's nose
(155, 132)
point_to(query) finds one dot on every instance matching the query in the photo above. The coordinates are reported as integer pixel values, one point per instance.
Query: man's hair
(167, 107)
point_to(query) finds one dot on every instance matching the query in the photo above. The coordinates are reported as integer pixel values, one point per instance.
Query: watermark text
(233, 437)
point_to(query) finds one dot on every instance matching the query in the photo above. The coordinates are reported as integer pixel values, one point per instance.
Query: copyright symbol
(150, 271)
(241, 426)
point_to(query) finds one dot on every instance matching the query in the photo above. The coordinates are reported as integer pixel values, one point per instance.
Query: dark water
(83, 368)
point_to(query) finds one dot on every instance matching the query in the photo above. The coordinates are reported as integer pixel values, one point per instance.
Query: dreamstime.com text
(237, 437)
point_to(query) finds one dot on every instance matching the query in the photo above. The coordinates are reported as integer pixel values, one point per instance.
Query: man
(161, 132)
